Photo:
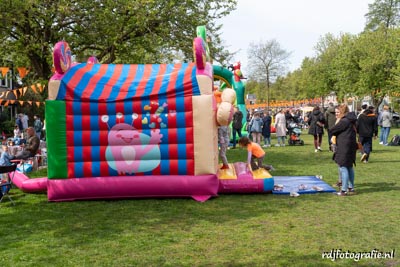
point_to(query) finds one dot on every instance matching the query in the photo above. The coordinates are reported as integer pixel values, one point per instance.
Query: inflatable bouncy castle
(126, 131)
(119, 131)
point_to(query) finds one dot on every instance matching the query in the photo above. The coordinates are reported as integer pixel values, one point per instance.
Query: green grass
(229, 230)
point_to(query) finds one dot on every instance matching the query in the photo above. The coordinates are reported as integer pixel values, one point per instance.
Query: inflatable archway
(233, 80)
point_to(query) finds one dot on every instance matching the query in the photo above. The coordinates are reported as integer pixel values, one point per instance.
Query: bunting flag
(20, 102)
(33, 87)
(22, 72)
(36, 88)
(4, 71)
(38, 85)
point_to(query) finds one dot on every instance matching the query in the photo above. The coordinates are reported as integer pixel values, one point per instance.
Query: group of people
(347, 133)
(29, 149)
(260, 127)
(27, 138)
(21, 125)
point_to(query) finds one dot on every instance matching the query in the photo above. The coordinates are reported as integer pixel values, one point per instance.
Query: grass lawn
(229, 230)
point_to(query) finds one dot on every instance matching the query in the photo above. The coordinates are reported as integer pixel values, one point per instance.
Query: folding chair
(6, 187)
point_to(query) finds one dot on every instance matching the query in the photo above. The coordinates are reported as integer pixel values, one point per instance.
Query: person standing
(223, 140)
(334, 146)
(363, 108)
(37, 125)
(316, 122)
(24, 121)
(367, 128)
(256, 128)
(266, 129)
(386, 124)
(280, 126)
(346, 142)
(237, 124)
(330, 121)
(18, 122)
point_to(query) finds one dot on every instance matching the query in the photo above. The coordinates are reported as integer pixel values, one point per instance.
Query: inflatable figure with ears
(225, 108)
(225, 99)
(238, 75)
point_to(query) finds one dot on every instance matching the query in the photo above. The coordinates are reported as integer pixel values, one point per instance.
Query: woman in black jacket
(346, 141)
(316, 121)
(266, 129)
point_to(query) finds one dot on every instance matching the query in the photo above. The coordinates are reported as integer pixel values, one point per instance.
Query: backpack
(395, 141)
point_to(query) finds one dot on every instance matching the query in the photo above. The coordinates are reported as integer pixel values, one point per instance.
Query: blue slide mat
(300, 184)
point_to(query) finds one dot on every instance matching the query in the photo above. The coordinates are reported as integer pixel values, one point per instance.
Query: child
(223, 140)
(17, 135)
(255, 154)
(5, 157)
(5, 160)
(256, 127)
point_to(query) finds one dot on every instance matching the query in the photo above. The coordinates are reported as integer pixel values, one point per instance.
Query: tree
(378, 62)
(384, 13)
(267, 61)
(115, 31)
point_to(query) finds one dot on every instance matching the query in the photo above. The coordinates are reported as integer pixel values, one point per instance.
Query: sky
(297, 25)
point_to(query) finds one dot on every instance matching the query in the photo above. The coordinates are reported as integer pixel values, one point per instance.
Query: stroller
(294, 132)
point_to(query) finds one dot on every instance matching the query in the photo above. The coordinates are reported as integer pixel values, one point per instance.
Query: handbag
(359, 146)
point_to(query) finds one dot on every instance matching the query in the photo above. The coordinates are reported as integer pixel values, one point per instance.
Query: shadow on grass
(363, 188)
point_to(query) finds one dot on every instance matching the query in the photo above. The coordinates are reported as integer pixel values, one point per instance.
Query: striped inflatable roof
(110, 83)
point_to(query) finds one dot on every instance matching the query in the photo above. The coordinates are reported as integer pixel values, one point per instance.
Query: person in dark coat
(367, 128)
(237, 125)
(266, 129)
(346, 147)
(330, 120)
(316, 122)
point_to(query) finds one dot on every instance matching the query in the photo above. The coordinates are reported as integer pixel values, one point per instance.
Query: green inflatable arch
(226, 76)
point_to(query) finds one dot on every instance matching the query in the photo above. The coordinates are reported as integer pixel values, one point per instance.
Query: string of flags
(36, 88)
(5, 102)
(22, 71)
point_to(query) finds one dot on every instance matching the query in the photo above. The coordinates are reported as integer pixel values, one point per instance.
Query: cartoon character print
(130, 151)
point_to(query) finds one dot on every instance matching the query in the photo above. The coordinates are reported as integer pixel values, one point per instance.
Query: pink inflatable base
(29, 185)
(200, 187)
(245, 182)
